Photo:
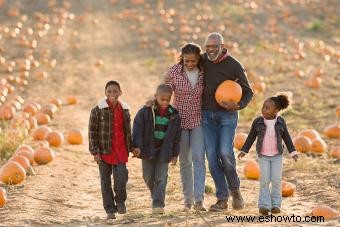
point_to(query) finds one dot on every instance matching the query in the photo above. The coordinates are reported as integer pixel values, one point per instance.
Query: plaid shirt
(187, 99)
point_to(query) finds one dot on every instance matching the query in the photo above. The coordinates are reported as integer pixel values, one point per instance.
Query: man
(219, 123)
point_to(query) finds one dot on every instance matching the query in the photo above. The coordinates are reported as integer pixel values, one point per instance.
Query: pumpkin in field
(56, 102)
(55, 139)
(41, 132)
(337, 111)
(70, 100)
(75, 136)
(325, 211)
(42, 118)
(251, 170)
(318, 146)
(27, 152)
(21, 160)
(12, 173)
(335, 152)
(30, 108)
(332, 131)
(302, 144)
(288, 189)
(239, 140)
(43, 155)
(228, 91)
(3, 197)
(49, 109)
(310, 133)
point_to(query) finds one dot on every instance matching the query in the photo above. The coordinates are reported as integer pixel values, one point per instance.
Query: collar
(103, 104)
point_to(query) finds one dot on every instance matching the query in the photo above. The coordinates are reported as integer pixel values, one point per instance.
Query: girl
(270, 129)
(186, 80)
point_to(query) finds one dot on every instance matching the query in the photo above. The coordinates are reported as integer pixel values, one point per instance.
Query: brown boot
(220, 205)
(238, 203)
(275, 210)
(263, 211)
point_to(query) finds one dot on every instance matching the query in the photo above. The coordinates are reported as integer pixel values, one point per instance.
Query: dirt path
(67, 191)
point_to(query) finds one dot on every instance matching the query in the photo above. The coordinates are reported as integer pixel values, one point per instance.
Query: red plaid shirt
(187, 99)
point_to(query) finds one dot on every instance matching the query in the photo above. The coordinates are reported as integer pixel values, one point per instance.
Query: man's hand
(295, 157)
(96, 158)
(173, 161)
(241, 155)
(136, 153)
(230, 106)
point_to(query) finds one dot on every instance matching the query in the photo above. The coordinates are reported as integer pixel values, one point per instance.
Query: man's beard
(218, 54)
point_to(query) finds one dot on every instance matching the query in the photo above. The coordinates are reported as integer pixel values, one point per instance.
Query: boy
(110, 142)
(156, 137)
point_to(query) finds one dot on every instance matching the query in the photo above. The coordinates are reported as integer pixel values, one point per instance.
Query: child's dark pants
(155, 174)
(120, 178)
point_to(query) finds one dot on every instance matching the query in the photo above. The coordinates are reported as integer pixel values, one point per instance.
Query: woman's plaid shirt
(187, 99)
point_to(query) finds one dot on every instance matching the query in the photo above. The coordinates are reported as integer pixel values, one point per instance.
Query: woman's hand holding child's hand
(136, 153)
(295, 157)
(241, 155)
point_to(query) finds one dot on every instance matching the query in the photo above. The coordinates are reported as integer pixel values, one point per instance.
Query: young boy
(156, 136)
(110, 142)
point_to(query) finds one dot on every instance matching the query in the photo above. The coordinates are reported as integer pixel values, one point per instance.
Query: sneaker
(219, 205)
(263, 211)
(238, 203)
(121, 208)
(199, 206)
(158, 210)
(275, 210)
(111, 216)
(186, 208)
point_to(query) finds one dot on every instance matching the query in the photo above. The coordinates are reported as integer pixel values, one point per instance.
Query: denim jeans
(192, 156)
(219, 130)
(120, 178)
(155, 174)
(271, 173)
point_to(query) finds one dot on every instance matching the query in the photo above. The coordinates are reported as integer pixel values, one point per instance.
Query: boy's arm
(129, 132)
(288, 141)
(250, 139)
(93, 132)
(177, 137)
(138, 128)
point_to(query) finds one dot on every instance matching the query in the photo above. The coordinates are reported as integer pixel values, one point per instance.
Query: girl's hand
(295, 157)
(241, 155)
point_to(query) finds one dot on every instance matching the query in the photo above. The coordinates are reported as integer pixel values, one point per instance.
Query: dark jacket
(216, 73)
(258, 130)
(100, 128)
(143, 131)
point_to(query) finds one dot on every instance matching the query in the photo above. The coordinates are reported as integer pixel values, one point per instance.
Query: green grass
(208, 189)
(8, 144)
(315, 26)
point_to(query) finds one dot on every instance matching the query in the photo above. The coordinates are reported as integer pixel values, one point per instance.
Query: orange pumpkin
(3, 197)
(49, 109)
(314, 82)
(27, 154)
(251, 170)
(332, 131)
(41, 132)
(75, 136)
(43, 155)
(56, 102)
(70, 100)
(318, 146)
(55, 139)
(325, 211)
(335, 152)
(30, 108)
(239, 140)
(22, 160)
(302, 144)
(12, 173)
(7, 112)
(228, 91)
(337, 111)
(288, 189)
(310, 133)
(42, 118)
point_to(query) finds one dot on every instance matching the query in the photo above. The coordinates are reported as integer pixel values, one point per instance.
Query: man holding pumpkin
(220, 122)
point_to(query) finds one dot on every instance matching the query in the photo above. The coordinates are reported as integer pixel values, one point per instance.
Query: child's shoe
(158, 210)
(121, 208)
(275, 210)
(111, 216)
(263, 211)
(220, 205)
(199, 206)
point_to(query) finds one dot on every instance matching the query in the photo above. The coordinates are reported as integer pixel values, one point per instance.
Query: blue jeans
(192, 156)
(219, 130)
(155, 174)
(271, 173)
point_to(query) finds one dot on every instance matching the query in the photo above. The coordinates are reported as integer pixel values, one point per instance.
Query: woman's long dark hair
(191, 48)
